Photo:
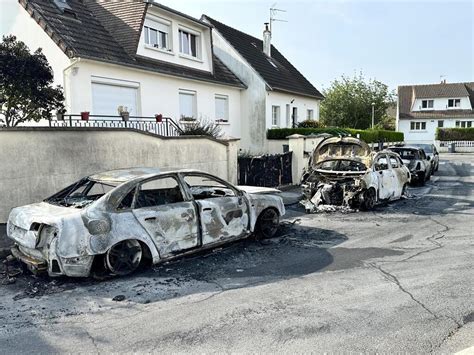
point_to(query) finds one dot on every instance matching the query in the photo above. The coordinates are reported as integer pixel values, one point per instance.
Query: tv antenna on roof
(273, 13)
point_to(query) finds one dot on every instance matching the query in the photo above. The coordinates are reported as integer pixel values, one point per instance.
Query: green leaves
(455, 134)
(26, 91)
(348, 102)
(368, 135)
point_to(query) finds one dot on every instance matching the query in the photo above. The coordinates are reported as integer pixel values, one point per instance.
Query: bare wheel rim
(370, 199)
(124, 257)
(268, 223)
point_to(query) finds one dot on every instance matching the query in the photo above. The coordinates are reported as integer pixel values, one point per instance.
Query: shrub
(310, 124)
(369, 135)
(201, 128)
(455, 134)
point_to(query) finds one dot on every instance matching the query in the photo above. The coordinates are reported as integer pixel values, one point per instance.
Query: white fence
(459, 146)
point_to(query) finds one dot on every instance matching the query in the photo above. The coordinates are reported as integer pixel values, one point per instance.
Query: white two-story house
(135, 54)
(423, 108)
(277, 94)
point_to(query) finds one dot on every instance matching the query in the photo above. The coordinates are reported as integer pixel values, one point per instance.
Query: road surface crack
(392, 278)
(92, 340)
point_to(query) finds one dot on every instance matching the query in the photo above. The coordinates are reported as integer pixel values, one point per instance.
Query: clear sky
(397, 42)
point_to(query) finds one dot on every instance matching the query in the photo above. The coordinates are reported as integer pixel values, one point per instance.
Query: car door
(400, 175)
(223, 210)
(385, 177)
(170, 220)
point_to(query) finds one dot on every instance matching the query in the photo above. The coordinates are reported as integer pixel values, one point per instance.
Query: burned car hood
(346, 148)
(40, 213)
(258, 189)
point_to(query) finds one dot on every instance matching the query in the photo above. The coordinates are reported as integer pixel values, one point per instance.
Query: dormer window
(454, 103)
(427, 104)
(157, 35)
(189, 43)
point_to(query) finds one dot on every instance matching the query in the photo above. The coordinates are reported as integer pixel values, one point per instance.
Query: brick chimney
(267, 40)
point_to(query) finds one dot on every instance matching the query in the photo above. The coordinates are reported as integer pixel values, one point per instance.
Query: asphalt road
(399, 279)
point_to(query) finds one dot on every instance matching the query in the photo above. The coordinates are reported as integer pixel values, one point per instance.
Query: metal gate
(265, 170)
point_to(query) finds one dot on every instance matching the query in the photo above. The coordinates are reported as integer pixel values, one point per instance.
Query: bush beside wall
(368, 135)
(455, 134)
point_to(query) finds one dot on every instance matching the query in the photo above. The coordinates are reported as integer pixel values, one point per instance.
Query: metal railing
(457, 144)
(163, 126)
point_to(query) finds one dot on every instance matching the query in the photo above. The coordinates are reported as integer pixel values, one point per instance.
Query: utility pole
(373, 114)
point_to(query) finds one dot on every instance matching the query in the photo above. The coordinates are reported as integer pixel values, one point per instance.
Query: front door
(385, 177)
(170, 221)
(224, 212)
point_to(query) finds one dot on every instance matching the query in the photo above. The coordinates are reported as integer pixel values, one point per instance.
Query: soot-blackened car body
(343, 171)
(115, 221)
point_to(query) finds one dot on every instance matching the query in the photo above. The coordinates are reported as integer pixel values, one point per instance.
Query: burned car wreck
(343, 171)
(116, 221)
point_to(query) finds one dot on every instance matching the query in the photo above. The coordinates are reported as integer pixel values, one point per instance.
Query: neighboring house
(423, 108)
(277, 94)
(140, 55)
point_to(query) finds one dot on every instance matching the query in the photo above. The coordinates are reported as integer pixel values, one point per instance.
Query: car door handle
(207, 209)
(150, 219)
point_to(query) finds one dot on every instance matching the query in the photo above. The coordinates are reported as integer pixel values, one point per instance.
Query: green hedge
(368, 135)
(455, 134)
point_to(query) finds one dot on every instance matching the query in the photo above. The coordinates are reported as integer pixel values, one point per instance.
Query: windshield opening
(426, 147)
(341, 165)
(406, 154)
(342, 150)
(81, 193)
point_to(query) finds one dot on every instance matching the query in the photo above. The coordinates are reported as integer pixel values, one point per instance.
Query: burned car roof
(123, 175)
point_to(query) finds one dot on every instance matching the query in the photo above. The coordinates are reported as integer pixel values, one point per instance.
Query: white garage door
(107, 98)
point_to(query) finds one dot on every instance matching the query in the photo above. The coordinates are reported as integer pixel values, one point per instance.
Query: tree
(26, 91)
(348, 102)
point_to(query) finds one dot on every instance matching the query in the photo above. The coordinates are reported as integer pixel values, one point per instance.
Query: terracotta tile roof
(85, 31)
(277, 71)
(407, 95)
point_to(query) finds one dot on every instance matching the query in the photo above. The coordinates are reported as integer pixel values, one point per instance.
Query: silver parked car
(417, 161)
(113, 222)
(343, 171)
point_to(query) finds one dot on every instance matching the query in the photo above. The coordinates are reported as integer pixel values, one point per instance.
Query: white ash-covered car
(116, 221)
(343, 171)
(417, 162)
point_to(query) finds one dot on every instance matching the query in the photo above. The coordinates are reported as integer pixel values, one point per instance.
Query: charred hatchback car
(343, 171)
(113, 222)
(431, 154)
(417, 161)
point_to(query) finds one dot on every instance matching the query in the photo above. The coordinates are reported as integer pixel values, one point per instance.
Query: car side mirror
(429, 158)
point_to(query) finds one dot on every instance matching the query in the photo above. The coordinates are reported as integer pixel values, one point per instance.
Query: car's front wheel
(124, 257)
(267, 223)
(369, 200)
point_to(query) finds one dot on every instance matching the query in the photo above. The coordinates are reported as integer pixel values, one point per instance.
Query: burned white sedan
(343, 171)
(116, 221)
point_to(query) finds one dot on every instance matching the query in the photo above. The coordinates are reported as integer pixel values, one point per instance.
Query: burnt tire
(124, 257)
(369, 200)
(267, 224)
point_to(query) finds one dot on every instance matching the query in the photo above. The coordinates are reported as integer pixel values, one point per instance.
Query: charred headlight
(44, 233)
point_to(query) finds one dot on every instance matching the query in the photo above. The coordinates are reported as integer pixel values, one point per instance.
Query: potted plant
(85, 115)
(60, 114)
(123, 111)
(159, 117)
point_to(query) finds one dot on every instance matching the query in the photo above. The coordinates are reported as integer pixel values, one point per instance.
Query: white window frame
(161, 26)
(429, 104)
(418, 126)
(197, 36)
(225, 99)
(194, 103)
(310, 114)
(455, 102)
(276, 114)
(464, 124)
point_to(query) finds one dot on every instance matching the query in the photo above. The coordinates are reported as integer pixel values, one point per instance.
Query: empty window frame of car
(204, 186)
(159, 191)
(381, 163)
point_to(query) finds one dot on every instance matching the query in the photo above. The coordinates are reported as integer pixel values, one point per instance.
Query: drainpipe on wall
(267, 40)
(67, 84)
